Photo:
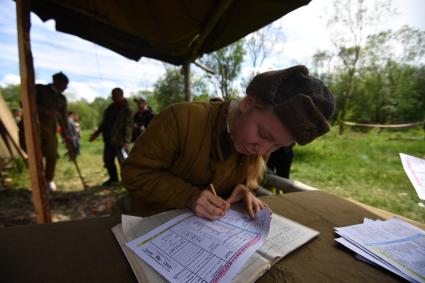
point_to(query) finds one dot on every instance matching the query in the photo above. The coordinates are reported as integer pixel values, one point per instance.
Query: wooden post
(31, 123)
(187, 82)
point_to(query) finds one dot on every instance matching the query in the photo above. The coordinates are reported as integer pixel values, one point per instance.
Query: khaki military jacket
(50, 102)
(185, 148)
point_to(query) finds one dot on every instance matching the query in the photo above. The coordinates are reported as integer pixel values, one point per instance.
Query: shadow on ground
(16, 207)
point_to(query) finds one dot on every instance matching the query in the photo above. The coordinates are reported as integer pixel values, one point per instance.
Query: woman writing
(189, 146)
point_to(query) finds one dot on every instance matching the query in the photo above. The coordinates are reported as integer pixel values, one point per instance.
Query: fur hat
(303, 103)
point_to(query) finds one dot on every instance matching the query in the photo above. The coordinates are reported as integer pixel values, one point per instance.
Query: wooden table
(86, 250)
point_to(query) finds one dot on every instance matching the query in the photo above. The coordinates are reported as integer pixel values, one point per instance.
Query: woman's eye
(263, 135)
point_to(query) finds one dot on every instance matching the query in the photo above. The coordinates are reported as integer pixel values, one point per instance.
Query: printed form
(192, 249)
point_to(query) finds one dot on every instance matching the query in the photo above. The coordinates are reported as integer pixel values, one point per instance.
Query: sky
(93, 70)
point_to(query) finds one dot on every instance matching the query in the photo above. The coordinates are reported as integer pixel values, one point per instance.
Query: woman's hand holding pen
(207, 204)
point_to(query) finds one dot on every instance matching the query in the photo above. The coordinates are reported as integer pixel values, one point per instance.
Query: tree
(322, 65)
(258, 46)
(89, 116)
(169, 89)
(387, 88)
(226, 63)
(391, 75)
(349, 23)
(99, 104)
(12, 95)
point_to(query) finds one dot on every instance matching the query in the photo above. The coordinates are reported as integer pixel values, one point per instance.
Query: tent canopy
(174, 31)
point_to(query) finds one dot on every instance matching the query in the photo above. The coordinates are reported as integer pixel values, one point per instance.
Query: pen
(214, 192)
(212, 189)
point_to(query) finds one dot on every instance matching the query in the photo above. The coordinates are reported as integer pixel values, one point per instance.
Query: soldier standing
(116, 129)
(52, 109)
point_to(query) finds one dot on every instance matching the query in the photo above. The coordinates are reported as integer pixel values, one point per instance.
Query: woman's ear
(246, 103)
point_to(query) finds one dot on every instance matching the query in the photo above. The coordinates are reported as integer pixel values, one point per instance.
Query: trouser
(110, 152)
(280, 160)
(49, 149)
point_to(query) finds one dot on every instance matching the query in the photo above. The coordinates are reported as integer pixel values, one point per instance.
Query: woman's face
(258, 131)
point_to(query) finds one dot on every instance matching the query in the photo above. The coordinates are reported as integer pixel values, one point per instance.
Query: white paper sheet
(367, 257)
(284, 237)
(191, 249)
(415, 170)
(398, 243)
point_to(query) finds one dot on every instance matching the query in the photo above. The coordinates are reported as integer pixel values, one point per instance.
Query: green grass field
(362, 166)
(365, 167)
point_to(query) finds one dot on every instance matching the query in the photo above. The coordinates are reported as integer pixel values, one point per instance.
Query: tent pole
(31, 123)
(187, 82)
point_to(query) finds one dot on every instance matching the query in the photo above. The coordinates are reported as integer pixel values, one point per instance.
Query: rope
(386, 126)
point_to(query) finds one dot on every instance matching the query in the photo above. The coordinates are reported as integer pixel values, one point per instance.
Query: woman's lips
(247, 151)
(242, 148)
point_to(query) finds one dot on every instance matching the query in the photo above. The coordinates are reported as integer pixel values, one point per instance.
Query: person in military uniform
(190, 146)
(52, 109)
(116, 128)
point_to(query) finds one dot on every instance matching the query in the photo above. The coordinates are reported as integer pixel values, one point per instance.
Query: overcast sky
(94, 70)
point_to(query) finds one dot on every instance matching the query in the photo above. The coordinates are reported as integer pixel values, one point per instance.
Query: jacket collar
(222, 144)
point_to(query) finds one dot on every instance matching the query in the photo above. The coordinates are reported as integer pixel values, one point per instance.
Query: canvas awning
(174, 31)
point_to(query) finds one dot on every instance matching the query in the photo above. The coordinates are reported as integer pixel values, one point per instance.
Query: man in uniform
(52, 109)
(116, 128)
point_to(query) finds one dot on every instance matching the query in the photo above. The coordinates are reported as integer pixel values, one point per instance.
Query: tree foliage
(169, 89)
(12, 96)
(226, 63)
(348, 26)
(389, 80)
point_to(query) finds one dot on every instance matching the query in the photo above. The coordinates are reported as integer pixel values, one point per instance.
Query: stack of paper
(393, 244)
(284, 236)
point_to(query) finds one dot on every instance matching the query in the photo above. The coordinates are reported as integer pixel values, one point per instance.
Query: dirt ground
(16, 207)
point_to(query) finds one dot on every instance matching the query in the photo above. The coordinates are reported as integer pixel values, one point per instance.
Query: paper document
(284, 236)
(192, 249)
(392, 244)
(415, 170)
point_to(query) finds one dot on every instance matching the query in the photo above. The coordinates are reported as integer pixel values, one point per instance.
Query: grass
(66, 177)
(70, 201)
(365, 167)
(362, 166)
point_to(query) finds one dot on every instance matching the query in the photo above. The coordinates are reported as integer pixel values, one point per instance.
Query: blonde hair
(256, 163)
(256, 169)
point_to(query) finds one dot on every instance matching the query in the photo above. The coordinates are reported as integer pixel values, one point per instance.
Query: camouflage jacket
(117, 127)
